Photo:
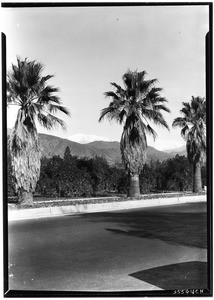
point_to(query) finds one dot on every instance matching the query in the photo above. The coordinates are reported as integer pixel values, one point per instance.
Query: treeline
(71, 176)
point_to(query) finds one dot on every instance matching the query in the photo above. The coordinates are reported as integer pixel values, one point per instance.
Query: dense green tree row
(71, 176)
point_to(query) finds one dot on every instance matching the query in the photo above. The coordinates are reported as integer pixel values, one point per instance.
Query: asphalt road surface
(157, 248)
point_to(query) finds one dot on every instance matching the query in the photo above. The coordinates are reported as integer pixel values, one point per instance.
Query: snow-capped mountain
(178, 149)
(86, 138)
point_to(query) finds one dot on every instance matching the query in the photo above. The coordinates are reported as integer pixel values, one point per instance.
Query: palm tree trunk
(25, 198)
(197, 183)
(134, 186)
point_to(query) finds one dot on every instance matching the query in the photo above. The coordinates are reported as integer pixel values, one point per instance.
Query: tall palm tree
(27, 89)
(193, 124)
(134, 106)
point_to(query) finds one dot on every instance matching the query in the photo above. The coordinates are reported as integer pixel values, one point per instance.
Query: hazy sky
(89, 47)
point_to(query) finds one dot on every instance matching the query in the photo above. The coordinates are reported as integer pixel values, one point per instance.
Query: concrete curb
(98, 207)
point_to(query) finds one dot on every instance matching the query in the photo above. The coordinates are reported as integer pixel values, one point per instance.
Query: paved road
(141, 249)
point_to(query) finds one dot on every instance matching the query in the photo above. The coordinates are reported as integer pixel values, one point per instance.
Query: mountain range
(53, 145)
(86, 138)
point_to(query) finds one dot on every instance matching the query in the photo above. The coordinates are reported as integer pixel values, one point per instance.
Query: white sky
(89, 47)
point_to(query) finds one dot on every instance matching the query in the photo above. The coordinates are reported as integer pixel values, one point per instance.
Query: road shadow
(170, 224)
(188, 275)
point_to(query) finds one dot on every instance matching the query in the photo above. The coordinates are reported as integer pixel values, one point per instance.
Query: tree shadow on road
(186, 228)
(188, 275)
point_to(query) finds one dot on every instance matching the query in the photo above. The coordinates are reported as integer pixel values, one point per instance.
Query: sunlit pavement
(141, 249)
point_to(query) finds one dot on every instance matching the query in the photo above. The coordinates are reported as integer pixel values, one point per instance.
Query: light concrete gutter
(54, 211)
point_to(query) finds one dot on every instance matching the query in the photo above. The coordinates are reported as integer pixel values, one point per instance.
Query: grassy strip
(65, 202)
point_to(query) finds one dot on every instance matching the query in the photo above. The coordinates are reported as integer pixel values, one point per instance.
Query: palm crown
(134, 106)
(193, 124)
(138, 102)
(29, 90)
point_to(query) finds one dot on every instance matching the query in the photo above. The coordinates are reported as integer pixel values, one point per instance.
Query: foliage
(73, 177)
(81, 177)
(149, 177)
(177, 174)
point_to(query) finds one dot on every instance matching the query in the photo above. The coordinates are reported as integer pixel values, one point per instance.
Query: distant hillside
(53, 145)
(151, 152)
(184, 152)
(109, 150)
(104, 144)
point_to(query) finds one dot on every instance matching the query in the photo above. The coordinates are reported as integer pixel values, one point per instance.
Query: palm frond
(110, 113)
(112, 94)
(185, 131)
(45, 78)
(151, 131)
(161, 121)
(45, 99)
(48, 90)
(179, 121)
(50, 121)
(141, 75)
(121, 116)
(159, 107)
(154, 116)
(55, 108)
(155, 92)
(129, 79)
(186, 109)
(146, 85)
(118, 87)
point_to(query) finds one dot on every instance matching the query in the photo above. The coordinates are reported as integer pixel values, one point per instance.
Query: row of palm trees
(134, 106)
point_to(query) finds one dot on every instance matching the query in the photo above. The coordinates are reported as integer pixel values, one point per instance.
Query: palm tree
(27, 89)
(134, 106)
(193, 124)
